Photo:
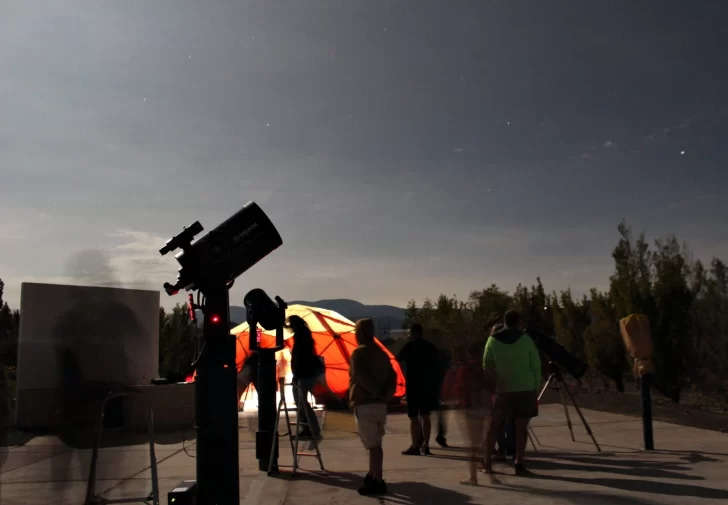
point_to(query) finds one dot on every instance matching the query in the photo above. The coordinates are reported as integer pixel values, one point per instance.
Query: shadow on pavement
(694, 458)
(580, 497)
(402, 493)
(629, 467)
(415, 493)
(644, 486)
(337, 479)
(697, 457)
(653, 470)
(629, 459)
(689, 456)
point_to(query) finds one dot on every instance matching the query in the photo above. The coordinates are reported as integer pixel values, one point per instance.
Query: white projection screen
(100, 334)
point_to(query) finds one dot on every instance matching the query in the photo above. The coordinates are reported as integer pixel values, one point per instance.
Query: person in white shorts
(372, 383)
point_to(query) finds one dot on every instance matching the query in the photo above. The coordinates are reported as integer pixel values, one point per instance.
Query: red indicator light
(191, 308)
(215, 319)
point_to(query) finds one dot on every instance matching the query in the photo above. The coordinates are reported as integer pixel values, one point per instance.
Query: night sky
(402, 148)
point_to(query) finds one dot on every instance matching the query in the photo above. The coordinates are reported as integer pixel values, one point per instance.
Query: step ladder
(301, 420)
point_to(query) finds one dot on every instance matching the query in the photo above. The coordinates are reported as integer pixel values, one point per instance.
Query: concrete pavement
(690, 466)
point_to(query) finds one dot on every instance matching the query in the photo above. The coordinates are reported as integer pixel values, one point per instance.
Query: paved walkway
(690, 467)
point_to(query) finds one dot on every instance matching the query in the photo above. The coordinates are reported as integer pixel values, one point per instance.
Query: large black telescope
(211, 265)
(226, 252)
(555, 352)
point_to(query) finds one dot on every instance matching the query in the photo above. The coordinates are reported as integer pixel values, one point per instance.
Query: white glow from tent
(249, 401)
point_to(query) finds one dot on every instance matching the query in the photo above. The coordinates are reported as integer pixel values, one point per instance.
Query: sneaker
(425, 450)
(412, 451)
(442, 442)
(373, 487)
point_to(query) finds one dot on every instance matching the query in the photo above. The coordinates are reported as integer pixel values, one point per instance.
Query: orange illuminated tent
(334, 340)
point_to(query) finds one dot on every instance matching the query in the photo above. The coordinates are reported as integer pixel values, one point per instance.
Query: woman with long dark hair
(308, 371)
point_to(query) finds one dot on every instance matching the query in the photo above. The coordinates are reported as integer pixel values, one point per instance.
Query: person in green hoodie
(372, 383)
(511, 362)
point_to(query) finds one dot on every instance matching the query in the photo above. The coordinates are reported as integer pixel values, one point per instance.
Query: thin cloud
(589, 151)
(663, 131)
(137, 262)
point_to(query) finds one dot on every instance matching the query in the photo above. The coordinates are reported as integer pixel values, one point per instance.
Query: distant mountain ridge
(386, 316)
(353, 309)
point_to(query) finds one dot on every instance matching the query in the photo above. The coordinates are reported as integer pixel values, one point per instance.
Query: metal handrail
(153, 497)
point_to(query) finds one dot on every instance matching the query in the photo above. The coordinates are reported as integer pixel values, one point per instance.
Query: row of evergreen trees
(686, 302)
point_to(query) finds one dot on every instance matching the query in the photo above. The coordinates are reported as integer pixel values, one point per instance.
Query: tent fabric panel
(334, 341)
(346, 354)
(336, 325)
(308, 314)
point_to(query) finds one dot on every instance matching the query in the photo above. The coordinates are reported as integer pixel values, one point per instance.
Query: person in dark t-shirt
(420, 359)
(444, 366)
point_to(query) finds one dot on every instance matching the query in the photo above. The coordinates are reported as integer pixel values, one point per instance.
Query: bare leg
(474, 428)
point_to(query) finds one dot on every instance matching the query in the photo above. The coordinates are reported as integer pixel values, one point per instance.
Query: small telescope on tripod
(558, 359)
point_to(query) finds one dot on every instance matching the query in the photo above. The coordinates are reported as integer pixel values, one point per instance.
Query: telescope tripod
(556, 381)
